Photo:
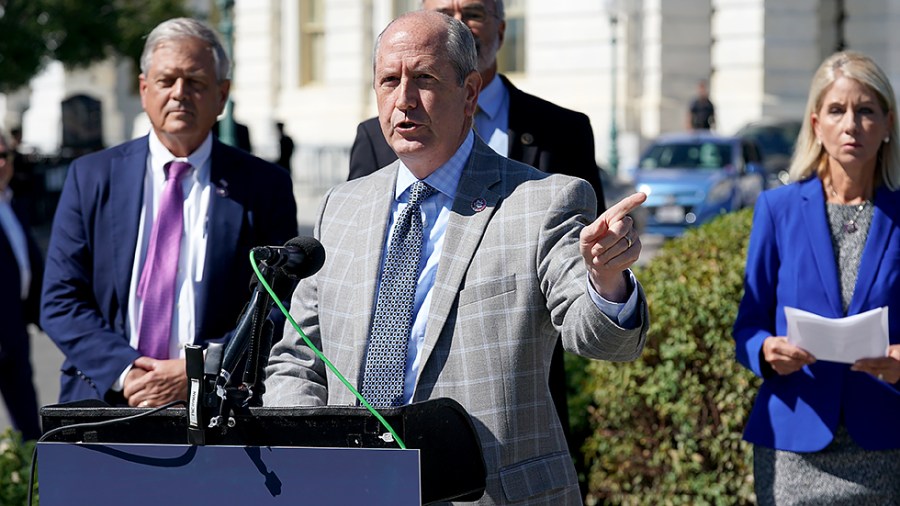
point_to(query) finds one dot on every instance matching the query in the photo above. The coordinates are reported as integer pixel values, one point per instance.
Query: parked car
(690, 178)
(776, 139)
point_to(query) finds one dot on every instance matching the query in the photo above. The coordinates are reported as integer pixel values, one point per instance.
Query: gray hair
(460, 45)
(179, 28)
(810, 156)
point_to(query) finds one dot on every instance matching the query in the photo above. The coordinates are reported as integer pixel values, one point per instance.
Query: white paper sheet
(846, 340)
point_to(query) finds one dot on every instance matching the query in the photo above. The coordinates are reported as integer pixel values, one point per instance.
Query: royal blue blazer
(791, 263)
(92, 249)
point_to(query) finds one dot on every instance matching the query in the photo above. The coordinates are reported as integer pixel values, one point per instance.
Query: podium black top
(440, 428)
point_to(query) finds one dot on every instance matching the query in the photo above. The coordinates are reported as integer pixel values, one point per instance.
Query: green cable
(318, 353)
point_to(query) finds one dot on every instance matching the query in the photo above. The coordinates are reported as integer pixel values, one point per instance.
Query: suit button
(527, 139)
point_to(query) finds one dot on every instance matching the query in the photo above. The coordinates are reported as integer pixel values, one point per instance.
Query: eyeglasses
(471, 14)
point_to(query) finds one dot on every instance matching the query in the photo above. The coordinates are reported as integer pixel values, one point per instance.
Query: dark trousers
(18, 389)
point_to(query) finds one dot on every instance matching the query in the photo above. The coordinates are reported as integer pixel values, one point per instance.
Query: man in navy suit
(232, 201)
(515, 124)
(20, 271)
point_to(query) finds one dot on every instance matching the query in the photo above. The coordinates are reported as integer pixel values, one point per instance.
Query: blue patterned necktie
(388, 341)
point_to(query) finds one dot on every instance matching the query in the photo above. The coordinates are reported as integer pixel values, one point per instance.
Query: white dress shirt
(196, 188)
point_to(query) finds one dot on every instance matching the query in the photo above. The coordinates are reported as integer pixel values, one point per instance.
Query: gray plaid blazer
(510, 280)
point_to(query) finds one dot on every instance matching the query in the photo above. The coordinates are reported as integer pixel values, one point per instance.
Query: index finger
(614, 214)
(621, 208)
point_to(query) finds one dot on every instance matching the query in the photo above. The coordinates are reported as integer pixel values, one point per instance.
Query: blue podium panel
(153, 475)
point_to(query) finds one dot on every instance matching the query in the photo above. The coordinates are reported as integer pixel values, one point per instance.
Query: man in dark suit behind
(520, 126)
(108, 224)
(21, 268)
(285, 148)
(532, 133)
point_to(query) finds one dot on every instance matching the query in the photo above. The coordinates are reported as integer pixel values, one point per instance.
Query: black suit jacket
(541, 134)
(15, 314)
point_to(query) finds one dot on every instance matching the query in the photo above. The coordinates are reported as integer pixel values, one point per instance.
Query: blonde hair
(809, 156)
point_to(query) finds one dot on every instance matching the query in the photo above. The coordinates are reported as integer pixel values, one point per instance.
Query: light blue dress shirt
(435, 215)
(15, 235)
(492, 118)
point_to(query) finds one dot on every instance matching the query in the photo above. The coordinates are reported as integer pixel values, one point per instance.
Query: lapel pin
(527, 139)
(479, 205)
(222, 188)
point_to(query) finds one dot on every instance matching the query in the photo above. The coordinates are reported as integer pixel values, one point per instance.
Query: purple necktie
(156, 288)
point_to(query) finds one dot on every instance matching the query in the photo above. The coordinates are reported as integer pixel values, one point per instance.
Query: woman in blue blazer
(827, 432)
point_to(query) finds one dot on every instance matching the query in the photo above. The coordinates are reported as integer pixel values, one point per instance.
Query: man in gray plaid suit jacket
(510, 259)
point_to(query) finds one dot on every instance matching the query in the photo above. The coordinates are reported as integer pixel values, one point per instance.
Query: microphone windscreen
(313, 257)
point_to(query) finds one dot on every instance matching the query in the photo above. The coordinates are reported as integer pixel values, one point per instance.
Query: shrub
(15, 464)
(666, 428)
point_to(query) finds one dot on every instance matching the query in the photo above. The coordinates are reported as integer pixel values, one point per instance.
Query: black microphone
(247, 325)
(298, 258)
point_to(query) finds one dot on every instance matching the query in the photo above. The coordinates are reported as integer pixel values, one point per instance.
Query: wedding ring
(144, 404)
(881, 377)
(628, 240)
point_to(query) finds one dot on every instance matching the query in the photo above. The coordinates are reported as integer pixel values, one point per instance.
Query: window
(511, 57)
(690, 155)
(312, 40)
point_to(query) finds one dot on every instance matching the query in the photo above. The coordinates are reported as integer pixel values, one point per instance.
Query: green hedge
(15, 464)
(666, 429)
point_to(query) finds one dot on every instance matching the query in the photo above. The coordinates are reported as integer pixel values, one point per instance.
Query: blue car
(690, 178)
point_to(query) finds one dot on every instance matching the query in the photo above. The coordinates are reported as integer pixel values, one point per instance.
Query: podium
(309, 455)
(151, 475)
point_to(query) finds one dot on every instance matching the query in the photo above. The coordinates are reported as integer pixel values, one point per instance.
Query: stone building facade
(308, 63)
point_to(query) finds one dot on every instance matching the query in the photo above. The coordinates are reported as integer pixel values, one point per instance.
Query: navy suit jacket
(791, 263)
(541, 134)
(92, 251)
